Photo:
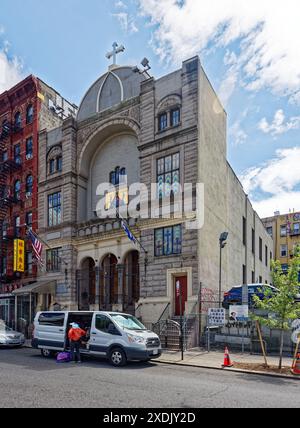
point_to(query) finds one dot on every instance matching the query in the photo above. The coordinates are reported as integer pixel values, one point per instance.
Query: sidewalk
(214, 360)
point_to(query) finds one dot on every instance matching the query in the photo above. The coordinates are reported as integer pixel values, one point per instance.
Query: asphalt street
(29, 380)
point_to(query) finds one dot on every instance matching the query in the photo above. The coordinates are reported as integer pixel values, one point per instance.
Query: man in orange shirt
(75, 335)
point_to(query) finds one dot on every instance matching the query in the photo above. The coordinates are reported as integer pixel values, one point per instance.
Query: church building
(132, 128)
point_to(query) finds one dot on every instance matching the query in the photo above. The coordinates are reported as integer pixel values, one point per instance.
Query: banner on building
(19, 255)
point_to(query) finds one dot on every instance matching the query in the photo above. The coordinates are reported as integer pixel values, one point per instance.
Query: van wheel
(117, 357)
(46, 353)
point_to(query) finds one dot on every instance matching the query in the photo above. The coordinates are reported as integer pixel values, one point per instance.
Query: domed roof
(117, 85)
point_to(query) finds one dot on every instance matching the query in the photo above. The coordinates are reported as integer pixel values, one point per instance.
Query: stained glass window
(159, 242)
(168, 175)
(54, 209)
(177, 239)
(168, 241)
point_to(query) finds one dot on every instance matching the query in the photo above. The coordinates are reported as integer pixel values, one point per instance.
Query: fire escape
(7, 200)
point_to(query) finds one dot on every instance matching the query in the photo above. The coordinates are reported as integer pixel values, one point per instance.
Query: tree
(281, 306)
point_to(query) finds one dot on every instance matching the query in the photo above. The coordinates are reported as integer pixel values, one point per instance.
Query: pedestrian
(75, 335)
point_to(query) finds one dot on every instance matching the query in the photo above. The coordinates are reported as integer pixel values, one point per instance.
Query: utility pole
(222, 241)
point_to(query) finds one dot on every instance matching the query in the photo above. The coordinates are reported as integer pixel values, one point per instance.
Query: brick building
(285, 231)
(25, 110)
(168, 131)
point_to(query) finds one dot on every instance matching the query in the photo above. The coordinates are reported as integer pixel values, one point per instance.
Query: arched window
(29, 114)
(17, 190)
(123, 176)
(54, 161)
(18, 121)
(29, 185)
(118, 176)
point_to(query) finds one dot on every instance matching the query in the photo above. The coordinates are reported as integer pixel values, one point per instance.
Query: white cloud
(279, 178)
(10, 71)
(10, 67)
(127, 22)
(278, 175)
(120, 5)
(283, 202)
(279, 125)
(268, 36)
(237, 134)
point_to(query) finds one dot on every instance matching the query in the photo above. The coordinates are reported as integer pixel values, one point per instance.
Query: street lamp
(222, 240)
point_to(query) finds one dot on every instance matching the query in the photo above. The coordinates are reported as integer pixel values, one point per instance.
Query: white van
(115, 336)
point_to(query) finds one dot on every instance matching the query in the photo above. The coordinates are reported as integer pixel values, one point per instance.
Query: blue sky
(249, 51)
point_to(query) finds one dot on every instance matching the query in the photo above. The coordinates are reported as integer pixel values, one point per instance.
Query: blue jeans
(75, 351)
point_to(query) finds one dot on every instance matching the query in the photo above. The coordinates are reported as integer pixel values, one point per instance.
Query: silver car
(9, 337)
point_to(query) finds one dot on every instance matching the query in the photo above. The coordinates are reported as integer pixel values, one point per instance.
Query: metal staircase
(7, 198)
(169, 330)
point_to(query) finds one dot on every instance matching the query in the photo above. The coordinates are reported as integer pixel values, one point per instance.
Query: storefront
(31, 299)
(7, 309)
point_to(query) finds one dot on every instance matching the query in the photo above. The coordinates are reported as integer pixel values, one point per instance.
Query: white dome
(117, 85)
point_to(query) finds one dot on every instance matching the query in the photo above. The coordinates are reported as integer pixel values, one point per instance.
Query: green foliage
(281, 306)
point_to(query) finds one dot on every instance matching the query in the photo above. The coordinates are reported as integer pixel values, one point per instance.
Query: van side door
(51, 330)
(100, 338)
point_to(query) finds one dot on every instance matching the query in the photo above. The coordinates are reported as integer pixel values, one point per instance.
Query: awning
(39, 287)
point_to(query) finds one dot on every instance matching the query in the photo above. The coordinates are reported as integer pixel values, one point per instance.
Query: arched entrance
(109, 283)
(131, 285)
(87, 284)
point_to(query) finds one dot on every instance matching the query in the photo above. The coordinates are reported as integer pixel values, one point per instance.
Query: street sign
(216, 317)
(239, 313)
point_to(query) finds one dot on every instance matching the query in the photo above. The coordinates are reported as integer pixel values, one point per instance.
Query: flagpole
(136, 239)
(44, 242)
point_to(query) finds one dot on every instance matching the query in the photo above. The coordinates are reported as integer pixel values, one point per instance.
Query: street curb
(272, 375)
(170, 363)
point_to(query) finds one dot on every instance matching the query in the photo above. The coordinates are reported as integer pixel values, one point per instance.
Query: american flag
(36, 245)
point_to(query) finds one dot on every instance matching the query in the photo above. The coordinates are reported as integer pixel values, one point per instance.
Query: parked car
(9, 337)
(114, 336)
(235, 295)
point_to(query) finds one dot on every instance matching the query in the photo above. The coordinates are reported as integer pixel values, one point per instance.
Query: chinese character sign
(19, 255)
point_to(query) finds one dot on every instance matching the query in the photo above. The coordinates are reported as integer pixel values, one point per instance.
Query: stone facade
(118, 126)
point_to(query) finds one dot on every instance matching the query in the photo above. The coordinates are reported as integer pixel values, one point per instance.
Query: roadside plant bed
(262, 368)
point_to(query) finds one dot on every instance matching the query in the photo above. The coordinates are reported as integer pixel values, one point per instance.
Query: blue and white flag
(128, 232)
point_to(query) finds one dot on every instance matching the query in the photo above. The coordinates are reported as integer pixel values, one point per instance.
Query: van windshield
(128, 321)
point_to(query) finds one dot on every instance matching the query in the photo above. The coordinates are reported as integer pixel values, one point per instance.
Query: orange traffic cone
(296, 366)
(227, 360)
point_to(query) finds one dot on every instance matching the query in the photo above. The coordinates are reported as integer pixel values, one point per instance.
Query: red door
(180, 289)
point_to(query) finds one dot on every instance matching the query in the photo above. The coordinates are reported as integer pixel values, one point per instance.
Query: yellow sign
(41, 96)
(19, 255)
